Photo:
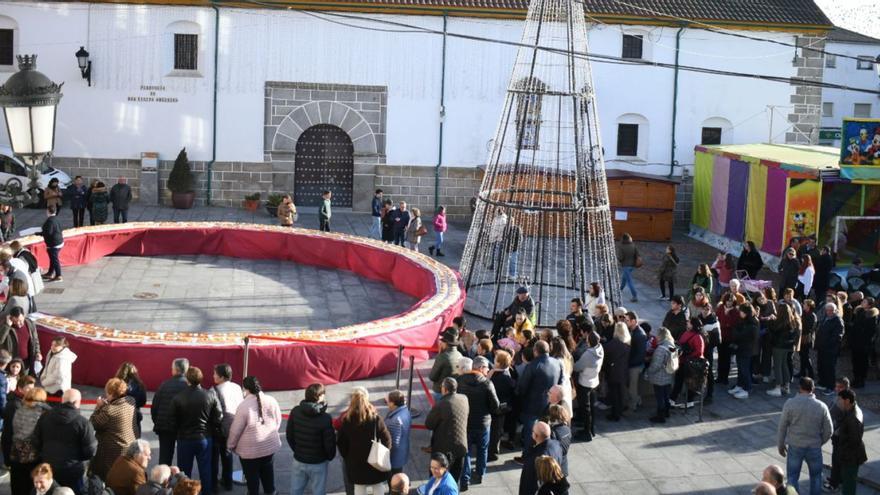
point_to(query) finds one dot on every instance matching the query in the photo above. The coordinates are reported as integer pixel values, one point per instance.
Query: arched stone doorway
(324, 160)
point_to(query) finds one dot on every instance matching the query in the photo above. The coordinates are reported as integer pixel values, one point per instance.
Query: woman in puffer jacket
(658, 376)
(587, 366)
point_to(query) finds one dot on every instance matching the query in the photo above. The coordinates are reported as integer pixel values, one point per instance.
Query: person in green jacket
(324, 213)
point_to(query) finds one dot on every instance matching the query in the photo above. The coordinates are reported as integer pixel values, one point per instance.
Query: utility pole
(772, 109)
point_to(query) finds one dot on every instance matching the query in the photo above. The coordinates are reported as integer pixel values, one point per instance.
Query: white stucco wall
(847, 74)
(130, 48)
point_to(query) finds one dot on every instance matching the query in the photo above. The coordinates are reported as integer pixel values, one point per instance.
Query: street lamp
(29, 100)
(85, 65)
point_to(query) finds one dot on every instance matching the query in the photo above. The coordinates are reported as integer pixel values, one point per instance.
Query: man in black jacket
(543, 445)
(120, 196)
(828, 341)
(54, 239)
(66, 440)
(162, 411)
(482, 403)
(849, 432)
(197, 417)
(313, 442)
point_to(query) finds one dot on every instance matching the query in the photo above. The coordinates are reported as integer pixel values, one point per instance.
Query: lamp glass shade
(82, 58)
(31, 131)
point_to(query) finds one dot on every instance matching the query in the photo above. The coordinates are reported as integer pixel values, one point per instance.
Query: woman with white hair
(828, 340)
(617, 370)
(129, 470)
(658, 373)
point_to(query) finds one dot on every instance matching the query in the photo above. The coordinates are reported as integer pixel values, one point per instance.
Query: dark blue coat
(528, 479)
(830, 335)
(77, 196)
(532, 387)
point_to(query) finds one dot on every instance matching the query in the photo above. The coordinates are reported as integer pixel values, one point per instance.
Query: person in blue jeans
(804, 427)
(629, 259)
(312, 439)
(482, 403)
(376, 207)
(197, 416)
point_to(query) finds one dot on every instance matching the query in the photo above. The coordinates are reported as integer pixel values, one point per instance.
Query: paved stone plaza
(723, 454)
(218, 294)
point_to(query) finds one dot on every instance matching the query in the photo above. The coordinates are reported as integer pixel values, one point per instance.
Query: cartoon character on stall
(802, 224)
(855, 154)
(874, 150)
(864, 142)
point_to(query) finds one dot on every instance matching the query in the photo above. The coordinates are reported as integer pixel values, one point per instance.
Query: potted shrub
(272, 203)
(180, 182)
(252, 201)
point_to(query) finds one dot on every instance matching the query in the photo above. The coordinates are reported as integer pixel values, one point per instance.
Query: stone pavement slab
(724, 454)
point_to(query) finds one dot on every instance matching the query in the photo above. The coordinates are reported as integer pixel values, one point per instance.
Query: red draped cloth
(278, 365)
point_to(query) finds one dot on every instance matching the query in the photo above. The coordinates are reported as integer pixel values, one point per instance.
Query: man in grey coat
(448, 424)
(120, 196)
(804, 427)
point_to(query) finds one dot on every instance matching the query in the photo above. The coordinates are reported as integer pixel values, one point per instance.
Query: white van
(11, 166)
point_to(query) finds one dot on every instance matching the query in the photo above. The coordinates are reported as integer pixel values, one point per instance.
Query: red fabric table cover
(278, 365)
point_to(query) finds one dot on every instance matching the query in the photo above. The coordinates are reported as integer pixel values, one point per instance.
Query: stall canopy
(764, 193)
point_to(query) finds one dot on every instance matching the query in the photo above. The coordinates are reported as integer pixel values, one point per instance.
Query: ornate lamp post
(29, 100)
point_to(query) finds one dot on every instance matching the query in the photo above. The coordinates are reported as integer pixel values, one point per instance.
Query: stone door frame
(360, 111)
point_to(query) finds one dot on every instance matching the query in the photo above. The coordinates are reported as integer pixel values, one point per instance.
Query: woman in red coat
(692, 347)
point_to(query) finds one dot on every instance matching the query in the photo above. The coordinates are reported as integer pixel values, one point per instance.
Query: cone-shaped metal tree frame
(542, 217)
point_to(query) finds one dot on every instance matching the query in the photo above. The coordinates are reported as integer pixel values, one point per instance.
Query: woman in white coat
(805, 276)
(589, 361)
(58, 369)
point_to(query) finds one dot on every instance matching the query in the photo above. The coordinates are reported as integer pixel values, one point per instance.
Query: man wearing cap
(482, 403)
(522, 301)
(446, 360)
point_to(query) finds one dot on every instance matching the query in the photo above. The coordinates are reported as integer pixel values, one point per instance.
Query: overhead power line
(593, 57)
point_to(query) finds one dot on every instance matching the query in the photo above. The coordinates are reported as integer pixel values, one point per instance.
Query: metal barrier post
(399, 365)
(415, 413)
(244, 366)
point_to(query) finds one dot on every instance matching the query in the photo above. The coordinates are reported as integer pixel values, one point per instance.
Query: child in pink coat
(439, 229)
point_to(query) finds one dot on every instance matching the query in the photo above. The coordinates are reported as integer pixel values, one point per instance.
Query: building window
(627, 139)
(6, 51)
(632, 46)
(865, 62)
(862, 110)
(528, 112)
(830, 61)
(186, 51)
(827, 109)
(711, 135)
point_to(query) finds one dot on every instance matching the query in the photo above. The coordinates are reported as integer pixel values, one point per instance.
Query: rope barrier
(341, 344)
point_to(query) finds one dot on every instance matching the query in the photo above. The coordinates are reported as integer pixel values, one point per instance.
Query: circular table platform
(280, 365)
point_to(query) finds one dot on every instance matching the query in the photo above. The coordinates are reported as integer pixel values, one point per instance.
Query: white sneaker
(766, 379)
(602, 406)
(734, 390)
(742, 394)
(775, 392)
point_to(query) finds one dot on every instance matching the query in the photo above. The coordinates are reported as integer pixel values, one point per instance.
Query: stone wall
(415, 185)
(805, 114)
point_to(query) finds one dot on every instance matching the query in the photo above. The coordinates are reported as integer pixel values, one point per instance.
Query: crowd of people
(512, 387)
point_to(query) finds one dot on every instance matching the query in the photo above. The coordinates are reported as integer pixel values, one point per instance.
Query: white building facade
(857, 72)
(295, 101)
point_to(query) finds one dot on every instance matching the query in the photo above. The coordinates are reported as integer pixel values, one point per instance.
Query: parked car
(12, 167)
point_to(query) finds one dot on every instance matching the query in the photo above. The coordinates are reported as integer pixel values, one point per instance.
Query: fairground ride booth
(771, 194)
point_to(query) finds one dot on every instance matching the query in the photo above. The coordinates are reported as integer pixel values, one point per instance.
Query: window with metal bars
(632, 46)
(7, 57)
(186, 51)
(627, 139)
(711, 135)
